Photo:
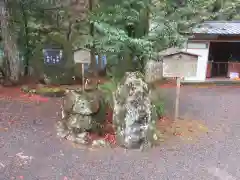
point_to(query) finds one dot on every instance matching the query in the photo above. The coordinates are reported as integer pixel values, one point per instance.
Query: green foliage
(157, 97)
(48, 89)
(139, 29)
(107, 89)
(159, 105)
(100, 117)
(117, 34)
(226, 9)
(36, 61)
(43, 90)
(123, 25)
(36, 23)
(124, 30)
(50, 92)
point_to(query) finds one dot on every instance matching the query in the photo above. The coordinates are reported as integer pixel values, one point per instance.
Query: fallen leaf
(2, 165)
(110, 138)
(177, 134)
(10, 122)
(21, 156)
(4, 129)
(203, 128)
(23, 96)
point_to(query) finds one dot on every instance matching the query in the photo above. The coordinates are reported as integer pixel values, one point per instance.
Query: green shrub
(159, 105)
(158, 98)
(47, 89)
(107, 89)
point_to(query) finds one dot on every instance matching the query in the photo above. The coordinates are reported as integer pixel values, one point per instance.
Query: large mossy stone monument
(134, 115)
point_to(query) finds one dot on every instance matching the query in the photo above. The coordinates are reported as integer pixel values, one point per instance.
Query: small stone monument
(80, 112)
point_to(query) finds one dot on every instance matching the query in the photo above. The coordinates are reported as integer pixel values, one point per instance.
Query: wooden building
(218, 44)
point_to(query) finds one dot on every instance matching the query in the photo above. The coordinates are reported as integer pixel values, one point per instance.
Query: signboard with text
(82, 56)
(52, 56)
(180, 65)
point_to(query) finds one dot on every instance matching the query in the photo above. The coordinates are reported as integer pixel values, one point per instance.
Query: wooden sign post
(177, 100)
(178, 64)
(83, 57)
(83, 79)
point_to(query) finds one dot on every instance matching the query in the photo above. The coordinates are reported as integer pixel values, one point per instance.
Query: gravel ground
(30, 150)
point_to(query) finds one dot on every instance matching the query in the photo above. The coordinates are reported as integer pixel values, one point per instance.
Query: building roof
(174, 50)
(218, 28)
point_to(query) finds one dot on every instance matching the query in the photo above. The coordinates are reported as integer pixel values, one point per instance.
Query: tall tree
(44, 22)
(127, 37)
(129, 32)
(12, 59)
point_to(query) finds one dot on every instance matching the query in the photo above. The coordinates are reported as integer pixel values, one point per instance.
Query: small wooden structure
(178, 64)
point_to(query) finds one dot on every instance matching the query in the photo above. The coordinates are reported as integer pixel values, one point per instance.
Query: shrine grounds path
(30, 150)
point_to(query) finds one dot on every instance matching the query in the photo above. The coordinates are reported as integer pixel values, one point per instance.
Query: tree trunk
(26, 43)
(10, 47)
(93, 64)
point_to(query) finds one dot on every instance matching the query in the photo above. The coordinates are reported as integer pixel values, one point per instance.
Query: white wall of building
(201, 49)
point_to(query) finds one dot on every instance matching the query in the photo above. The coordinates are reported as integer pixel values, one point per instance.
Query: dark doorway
(219, 54)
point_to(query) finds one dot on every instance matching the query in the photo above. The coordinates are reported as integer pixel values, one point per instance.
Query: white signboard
(234, 75)
(179, 67)
(82, 56)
